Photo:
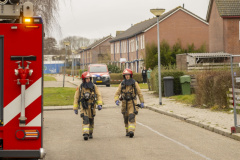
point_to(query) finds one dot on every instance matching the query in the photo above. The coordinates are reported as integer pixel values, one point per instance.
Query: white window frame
(118, 47)
(132, 45)
(137, 41)
(143, 42)
(124, 47)
(112, 48)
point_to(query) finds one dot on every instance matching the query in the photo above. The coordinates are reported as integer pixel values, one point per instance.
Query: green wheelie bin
(185, 84)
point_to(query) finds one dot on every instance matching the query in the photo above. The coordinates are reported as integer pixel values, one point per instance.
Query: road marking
(185, 146)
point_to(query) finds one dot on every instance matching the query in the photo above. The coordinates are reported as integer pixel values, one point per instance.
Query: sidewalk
(218, 122)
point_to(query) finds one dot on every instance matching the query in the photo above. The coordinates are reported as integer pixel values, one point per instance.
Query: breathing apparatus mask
(128, 96)
(86, 96)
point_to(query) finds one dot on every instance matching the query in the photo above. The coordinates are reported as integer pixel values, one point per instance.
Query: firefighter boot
(90, 136)
(127, 133)
(131, 134)
(85, 137)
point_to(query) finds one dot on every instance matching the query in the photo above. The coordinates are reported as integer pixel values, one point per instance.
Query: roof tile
(142, 26)
(98, 42)
(228, 7)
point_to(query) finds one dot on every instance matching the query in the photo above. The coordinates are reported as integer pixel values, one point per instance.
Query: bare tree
(76, 42)
(48, 9)
(50, 46)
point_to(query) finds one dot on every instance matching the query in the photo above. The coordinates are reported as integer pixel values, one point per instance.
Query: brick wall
(224, 33)
(231, 36)
(215, 31)
(103, 49)
(180, 26)
(181, 60)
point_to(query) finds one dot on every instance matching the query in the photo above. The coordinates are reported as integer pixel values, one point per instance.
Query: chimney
(118, 32)
(183, 5)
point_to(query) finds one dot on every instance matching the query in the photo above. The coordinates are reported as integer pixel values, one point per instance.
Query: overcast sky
(99, 18)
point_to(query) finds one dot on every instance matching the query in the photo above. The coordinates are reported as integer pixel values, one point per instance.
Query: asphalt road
(156, 137)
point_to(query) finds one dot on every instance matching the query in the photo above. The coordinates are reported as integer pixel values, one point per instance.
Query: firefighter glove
(142, 105)
(76, 111)
(99, 107)
(82, 115)
(117, 102)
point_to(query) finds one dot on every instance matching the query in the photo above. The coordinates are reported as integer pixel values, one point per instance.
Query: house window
(124, 47)
(140, 42)
(137, 40)
(143, 42)
(117, 47)
(112, 49)
(132, 46)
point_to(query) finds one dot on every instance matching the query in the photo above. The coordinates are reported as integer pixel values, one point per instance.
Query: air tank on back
(2, 2)
(14, 1)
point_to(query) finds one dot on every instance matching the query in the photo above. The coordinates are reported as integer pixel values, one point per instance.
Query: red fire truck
(21, 81)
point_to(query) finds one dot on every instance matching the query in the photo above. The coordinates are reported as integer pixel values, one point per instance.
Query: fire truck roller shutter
(1, 79)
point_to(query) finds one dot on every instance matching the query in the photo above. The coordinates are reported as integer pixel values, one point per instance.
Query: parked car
(100, 74)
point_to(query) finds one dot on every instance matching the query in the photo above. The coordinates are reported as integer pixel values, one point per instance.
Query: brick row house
(177, 24)
(98, 52)
(223, 17)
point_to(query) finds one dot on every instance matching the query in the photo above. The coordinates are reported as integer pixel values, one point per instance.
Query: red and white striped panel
(13, 109)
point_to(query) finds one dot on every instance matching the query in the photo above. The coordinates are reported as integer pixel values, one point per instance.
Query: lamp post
(66, 45)
(82, 58)
(56, 58)
(158, 12)
(83, 61)
(55, 64)
(73, 54)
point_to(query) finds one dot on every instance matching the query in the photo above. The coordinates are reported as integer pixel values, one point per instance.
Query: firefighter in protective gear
(86, 96)
(127, 91)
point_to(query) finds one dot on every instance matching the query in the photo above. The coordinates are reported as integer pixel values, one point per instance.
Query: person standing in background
(144, 75)
(149, 71)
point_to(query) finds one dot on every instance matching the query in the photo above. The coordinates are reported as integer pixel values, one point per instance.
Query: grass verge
(49, 78)
(58, 96)
(188, 99)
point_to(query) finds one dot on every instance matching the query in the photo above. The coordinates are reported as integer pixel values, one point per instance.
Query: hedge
(212, 88)
(114, 76)
(118, 76)
(174, 73)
